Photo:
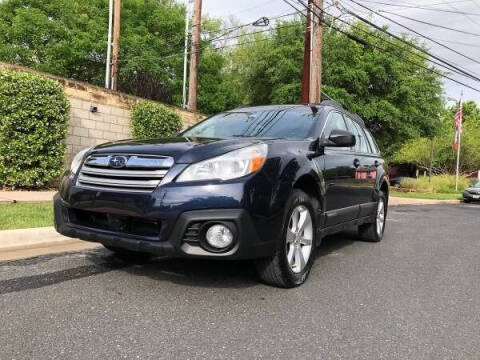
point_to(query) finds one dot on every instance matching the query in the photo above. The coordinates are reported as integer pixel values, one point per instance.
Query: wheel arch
(310, 185)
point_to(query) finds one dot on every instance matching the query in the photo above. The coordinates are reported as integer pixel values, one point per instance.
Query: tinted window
(361, 141)
(372, 142)
(288, 124)
(335, 120)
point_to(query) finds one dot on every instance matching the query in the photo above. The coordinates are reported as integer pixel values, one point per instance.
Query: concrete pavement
(415, 295)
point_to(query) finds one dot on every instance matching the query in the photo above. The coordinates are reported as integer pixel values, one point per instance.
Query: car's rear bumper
(171, 240)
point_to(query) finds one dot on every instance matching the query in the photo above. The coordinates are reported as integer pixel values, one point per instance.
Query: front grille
(116, 223)
(141, 173)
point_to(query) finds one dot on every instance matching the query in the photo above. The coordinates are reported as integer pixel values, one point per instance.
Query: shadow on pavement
(188, 272)
(218, 274)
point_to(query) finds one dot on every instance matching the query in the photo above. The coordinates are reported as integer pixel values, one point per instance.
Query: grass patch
(25, 215)
(432, 196)
(442, 184)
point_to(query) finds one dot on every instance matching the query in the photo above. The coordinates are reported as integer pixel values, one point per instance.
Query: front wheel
(293, 259)
(373, 232)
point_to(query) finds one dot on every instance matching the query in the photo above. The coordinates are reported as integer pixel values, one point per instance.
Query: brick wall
(111, 121)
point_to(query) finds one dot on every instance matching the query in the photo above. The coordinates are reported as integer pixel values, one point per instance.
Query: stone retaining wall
(110, 121)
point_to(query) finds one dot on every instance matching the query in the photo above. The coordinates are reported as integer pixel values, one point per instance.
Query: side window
(361, 143)
(372, 142)
(335, 120)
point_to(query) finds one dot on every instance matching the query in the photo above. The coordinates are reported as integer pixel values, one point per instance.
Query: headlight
(77, 160)
(232, 165)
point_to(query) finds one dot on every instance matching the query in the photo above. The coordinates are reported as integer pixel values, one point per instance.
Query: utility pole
(185, 55)
(194, 55)
(305, 96)
(108, 70)
(316, 61)
(458, 134)
(116, 37)
(431, 160)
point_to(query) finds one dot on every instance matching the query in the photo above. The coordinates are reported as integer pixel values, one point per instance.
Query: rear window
(287, 124)
(361, 144)
(372, 142)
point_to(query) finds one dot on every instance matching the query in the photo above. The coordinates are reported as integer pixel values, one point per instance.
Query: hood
(473, 190)
(183, 150)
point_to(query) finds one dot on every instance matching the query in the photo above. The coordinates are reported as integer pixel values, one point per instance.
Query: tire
(288, 273)
(373, 232)
(128, 255)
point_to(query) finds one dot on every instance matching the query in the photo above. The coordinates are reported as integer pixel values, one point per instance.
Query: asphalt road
(415, 295)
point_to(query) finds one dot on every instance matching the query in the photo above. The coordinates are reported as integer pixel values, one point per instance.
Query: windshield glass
(477, 185)
(288, 124)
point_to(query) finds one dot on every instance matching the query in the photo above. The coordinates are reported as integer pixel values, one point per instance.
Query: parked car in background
(264, 183)
(472, 193)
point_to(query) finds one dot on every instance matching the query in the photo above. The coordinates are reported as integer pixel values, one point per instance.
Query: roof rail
(331, 103)
(358, 119)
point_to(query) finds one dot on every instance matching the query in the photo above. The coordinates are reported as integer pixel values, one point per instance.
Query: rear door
(365, 167)
(339, 175)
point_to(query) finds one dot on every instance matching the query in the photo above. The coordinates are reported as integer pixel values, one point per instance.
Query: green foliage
(33, 127)
(69, 38)
(418, 150)
(215, 91)
(443, 184)
(152, 121)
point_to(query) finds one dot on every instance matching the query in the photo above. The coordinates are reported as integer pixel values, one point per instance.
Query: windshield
(477, 185)
(287, 124)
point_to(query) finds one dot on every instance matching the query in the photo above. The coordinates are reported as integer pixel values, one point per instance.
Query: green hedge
(33, 127)
(151, 120)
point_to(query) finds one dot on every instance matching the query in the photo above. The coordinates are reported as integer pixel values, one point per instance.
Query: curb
(11, 197)
(417, 202)
(30, 237)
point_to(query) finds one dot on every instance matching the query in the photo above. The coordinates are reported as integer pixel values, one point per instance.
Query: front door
(339, 176)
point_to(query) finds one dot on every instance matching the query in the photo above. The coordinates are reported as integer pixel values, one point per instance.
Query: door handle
(356, 163)
(377, 163)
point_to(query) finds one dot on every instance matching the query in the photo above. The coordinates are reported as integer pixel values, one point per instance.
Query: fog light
(219, 236)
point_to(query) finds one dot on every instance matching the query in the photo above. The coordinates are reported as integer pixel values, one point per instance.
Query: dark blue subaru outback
(264, 183)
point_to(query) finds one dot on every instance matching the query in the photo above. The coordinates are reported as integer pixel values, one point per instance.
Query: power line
(363, 42)
(466, 15)
(424, 8)
(255, 32)
(428, 23)
(238, 27)
(412, 30)
(448, 67)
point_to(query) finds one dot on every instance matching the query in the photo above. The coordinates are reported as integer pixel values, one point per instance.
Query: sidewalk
(25, 243)
(26, 196)
(396, 201)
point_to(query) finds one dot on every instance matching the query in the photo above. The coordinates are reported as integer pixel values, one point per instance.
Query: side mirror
(340, 138)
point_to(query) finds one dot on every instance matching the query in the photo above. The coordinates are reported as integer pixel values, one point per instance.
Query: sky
(246, 11)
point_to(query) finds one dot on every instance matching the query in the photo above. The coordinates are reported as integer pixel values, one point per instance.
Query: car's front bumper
(176, 209)
(471, 197)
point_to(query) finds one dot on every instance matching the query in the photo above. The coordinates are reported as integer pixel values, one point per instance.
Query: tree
(418, 150)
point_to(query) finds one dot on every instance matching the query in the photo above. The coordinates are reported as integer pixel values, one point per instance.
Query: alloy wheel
(299, 238)
(380, 216)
